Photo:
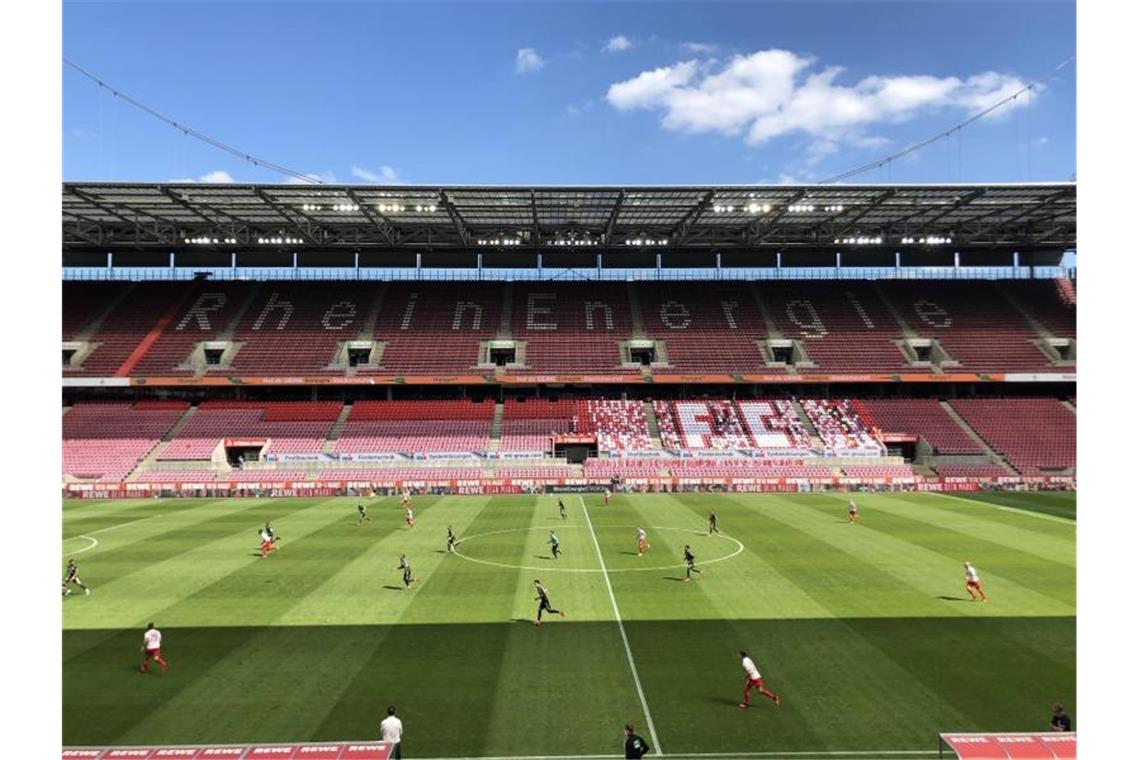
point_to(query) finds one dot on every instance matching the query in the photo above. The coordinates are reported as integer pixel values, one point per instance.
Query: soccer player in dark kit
(543, 600)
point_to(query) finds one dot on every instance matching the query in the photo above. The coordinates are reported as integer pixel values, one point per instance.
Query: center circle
(548, 568)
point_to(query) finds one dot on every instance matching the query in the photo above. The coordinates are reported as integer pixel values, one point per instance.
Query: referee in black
(635, 746)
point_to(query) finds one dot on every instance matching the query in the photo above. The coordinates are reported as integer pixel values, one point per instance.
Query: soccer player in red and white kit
(973, 583)
(852, 512)
(152, 647)
(754, 681)
(409, 518)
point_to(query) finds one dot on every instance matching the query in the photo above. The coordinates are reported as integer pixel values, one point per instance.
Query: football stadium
(365, 372)
(644, 430)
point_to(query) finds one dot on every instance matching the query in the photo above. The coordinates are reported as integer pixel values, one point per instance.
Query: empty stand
(529, 425)
(295, 328)
(571, 327)
(773, 425)
(922, 417)
(843, 326)
(713, 327)
(416, 426)
(105, 441)
(1038, 436)
(291, 427)
(437, 328)
(973, 322)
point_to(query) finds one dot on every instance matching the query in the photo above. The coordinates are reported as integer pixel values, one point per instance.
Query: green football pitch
(866, 630)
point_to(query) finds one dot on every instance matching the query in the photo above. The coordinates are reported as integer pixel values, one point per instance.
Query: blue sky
(575, 93)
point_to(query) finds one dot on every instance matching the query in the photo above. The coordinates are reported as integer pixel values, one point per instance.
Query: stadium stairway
(769, 323)
(994, 457)
(496, 428)
(154, 334)
(1069, 405)
(334, 434)
(1037, 326)
(149, 462)
(368, 327)
(507, 309)
(636, 319)
(652, 426)
(92, 327)
(809, 427)
(907, 330)
(232, 325)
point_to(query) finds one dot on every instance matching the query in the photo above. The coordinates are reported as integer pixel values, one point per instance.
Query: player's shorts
(266, 546)
(642, 544)
(974, 584)
(757, 682)
(153, 654)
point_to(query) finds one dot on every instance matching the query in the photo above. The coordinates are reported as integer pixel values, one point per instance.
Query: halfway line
(621, 628)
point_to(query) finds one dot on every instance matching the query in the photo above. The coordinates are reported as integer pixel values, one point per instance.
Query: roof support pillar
(111, 260)
(898, 260)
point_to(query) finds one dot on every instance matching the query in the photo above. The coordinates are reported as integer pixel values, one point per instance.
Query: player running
(152, 648)
(852, 512)
(554, 545)
(712, 523)
(362, 514)
(73, 577)
(451, 540)
(407, 568)
(973, 583)
(406, 498)
(642, 543)
(606, 495)
(268, 541)
(690, 564)
(561, 509)
(754, 681)
(409, 518)
(543, 600)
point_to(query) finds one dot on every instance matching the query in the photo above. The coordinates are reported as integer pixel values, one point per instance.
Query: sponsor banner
(310, 457)
(327, 751)
(1013, 746)
(244, 443)
(96, 382)
(373, 456)
(571, 438)
(1041, 377)
(898, 438)
(639, 454)
(570, 379)
(577, 488)
(516, 455)
(420, 456)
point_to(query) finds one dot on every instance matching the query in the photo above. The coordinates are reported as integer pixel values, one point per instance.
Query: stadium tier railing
(268, 274)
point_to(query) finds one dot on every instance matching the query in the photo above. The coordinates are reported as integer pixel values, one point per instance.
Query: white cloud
(528, 59)
(218, 177)
(699, 48)
(772, 93)
(386, 176)
(617, 44)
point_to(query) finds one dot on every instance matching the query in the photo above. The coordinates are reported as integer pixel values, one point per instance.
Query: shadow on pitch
(632, 554)
(394, 588)
(672, 578)
(953, 598)
(723, 701)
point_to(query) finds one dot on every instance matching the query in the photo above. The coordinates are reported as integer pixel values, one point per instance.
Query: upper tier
(275, 329)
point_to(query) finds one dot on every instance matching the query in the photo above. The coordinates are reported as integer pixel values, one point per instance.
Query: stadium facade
(331, 339)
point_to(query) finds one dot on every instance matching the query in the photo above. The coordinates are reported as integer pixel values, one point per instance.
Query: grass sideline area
(865, 630)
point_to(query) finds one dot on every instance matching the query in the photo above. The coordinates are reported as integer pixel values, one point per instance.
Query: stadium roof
(105, 216)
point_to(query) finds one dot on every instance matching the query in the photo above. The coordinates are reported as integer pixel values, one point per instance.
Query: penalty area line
(621, 629)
